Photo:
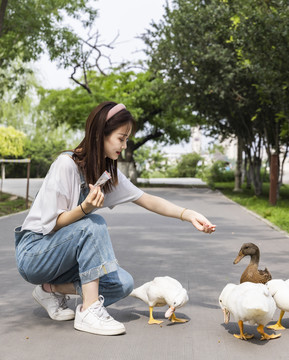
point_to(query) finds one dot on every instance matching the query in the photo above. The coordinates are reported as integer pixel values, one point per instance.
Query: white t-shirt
(60, 192)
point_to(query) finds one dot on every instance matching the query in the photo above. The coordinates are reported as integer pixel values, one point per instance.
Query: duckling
(279, 289)
(251, 273)
(162, 291)
(248, 302)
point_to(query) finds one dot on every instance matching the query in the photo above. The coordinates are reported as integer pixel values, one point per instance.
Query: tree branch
(152, 136)
(85, 65)
(84, 85)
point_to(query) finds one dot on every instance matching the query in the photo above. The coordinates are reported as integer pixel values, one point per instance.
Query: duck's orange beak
(238, 258)
(170, 312)
(226, 316)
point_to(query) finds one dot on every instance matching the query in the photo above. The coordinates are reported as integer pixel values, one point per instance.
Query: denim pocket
(18, 233)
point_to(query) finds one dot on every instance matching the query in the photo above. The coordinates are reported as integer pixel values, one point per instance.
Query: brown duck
(251, 273)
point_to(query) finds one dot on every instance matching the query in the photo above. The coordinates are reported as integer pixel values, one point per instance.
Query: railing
(3, 161)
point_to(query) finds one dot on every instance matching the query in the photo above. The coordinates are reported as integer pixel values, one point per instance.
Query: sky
(129, 19)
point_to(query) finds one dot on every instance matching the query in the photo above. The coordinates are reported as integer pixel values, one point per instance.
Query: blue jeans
(78, 253)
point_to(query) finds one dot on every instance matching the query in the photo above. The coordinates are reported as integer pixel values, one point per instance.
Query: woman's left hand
(94, 199)
(201, 223)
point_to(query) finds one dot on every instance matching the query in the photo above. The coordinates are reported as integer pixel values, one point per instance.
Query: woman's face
(116, 142)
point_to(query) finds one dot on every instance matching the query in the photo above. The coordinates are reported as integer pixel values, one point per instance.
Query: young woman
(65, 247)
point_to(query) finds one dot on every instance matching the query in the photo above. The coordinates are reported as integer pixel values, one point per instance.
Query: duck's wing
(156, 295)
(248, 301)
(252, 274)
(141, 292)
(265, 275)
(166, 281)
(280, 292)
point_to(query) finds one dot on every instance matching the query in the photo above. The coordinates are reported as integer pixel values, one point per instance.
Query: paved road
(18, 186)
(148, 245)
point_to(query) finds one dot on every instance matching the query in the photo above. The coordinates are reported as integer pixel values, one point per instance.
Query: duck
(249, 302)
(251, 273)
(161, 291)
(279, 289)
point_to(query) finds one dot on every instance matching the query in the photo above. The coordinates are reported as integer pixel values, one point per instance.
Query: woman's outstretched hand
(201, 223)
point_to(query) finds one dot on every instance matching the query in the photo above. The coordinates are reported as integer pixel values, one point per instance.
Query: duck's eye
(220, 300)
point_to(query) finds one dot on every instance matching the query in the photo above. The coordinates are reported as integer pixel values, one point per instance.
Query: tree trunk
(126, 163)
(128, 169)
(238, 171)
(280, 182)
(247, 173)
(3, 7)
(274, 175)
(256, 175)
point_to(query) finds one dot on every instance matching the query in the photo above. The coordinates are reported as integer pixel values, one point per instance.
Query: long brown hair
(89, 154)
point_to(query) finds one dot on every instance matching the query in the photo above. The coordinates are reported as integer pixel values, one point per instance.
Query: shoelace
(61, 300)
(100, 310)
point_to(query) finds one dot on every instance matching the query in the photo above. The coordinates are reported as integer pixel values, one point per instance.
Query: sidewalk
(148, 245)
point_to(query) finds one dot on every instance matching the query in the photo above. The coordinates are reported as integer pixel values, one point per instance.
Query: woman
(65, 247)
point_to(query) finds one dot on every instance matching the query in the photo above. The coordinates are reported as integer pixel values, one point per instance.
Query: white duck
(248, 302)
(162, 291)
(279, 289)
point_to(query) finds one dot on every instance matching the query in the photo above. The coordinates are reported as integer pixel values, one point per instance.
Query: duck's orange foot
(151, 319)
(154, 321)
(276, 326)
(269, 337)
(265, 336)
(174, 319)
(244, 336)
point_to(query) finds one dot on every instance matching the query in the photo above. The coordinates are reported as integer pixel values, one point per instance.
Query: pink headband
(117, 108)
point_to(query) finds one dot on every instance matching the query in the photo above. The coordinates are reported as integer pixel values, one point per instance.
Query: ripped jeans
(78, 253)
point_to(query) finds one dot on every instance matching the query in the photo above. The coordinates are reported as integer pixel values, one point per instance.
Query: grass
(10, 204)
(277, 215)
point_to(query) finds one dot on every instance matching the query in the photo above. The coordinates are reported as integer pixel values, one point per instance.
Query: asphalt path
(149, 245)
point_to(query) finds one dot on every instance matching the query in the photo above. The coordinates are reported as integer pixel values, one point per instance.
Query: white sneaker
(54, 303)
(96, 320)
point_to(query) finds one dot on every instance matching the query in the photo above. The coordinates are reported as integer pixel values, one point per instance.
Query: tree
(158, 115)
(11, 142)
(151, 161)
(199, 49)
(43, 141)
(187, 166)
(29, 27)
(263, 48)
(20, 113)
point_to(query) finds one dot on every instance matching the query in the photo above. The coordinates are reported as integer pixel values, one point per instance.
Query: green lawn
(277, 215)
(10, 204)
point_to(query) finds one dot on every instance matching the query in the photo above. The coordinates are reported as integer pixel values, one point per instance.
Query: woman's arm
(93, 200)
(166, 208)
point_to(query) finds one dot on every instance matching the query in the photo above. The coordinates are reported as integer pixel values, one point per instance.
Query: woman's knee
(95, 219)
(127, 283)
(94, 225)
(116, 285)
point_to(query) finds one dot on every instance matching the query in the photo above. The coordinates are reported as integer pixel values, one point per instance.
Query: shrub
(188, 164)
(11, 142)
(217, 172)
(42, 153)
(150, 162)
